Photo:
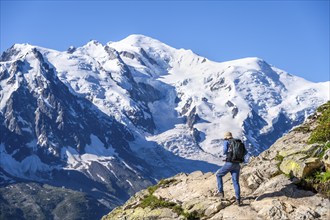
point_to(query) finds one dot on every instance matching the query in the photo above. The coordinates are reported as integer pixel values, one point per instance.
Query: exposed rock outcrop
(326, 160)
(267, 191)
(300, 165)
(193, 197)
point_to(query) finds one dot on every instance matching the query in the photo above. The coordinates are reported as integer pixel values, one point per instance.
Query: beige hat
(228, 135)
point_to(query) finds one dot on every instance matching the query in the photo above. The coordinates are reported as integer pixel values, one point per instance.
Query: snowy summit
(137, 110)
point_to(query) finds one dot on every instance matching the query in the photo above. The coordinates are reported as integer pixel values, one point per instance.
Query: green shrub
(318, 182)
(322, 176)
(153, 202)
(152, 189)
(279, 157)
(193, 215)
(321, 133)
(161, 183)
(323, 107)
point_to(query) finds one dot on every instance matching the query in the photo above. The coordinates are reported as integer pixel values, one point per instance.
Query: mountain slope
(109, 120)
(247, 96)
(50, 135)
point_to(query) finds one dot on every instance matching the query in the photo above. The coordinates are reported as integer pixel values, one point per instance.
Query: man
(232, 167)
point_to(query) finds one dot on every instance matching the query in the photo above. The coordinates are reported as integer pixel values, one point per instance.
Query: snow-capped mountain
(126, 113)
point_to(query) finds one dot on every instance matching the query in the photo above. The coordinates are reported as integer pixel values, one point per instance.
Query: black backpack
(236, 151)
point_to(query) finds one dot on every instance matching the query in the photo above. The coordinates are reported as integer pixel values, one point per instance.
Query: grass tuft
(318, 182)
(153, 202)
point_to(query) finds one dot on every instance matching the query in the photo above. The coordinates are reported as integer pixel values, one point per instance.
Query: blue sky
(291, 35)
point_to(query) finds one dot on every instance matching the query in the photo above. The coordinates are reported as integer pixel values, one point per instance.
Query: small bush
(178, 209)
(322, 176)
(279, 157)
(152, 189)
(321, 133)
(161, 183)
(319, 182)
(153, 202)
(192, 215)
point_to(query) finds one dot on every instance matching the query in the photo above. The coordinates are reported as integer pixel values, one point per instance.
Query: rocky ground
(271, 186)
(277, 198)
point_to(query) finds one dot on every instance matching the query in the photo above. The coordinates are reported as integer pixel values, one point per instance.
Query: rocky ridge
(267, 192)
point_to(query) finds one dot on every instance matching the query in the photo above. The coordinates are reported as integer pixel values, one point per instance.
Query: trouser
(234, 169)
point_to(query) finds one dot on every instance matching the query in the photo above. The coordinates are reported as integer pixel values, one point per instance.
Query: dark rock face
(145, 55)
(8, 54)
(71, 49)
(4, 74)
(218, 84)
(186, 107)
(196, 135)
(140, 92)
(113, 54)
(55, 111)
(283, 123)
(234, 109)
(148, 93)
(41, 201)
(253, 125)
(192, 118)
(127, 54)
(40, 118)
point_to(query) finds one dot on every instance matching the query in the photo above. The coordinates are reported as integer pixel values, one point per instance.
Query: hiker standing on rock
(234, 152)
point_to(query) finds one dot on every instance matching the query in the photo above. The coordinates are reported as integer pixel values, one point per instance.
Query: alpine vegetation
(105, 121)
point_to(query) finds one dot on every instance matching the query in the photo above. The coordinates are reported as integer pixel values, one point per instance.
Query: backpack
(236, 151)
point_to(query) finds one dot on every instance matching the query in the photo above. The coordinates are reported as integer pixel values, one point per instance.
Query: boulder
(300, 165)
(326, 160)
(257, 171)
(310, 150)
(274, 209)
(305, 212)
(234, 212)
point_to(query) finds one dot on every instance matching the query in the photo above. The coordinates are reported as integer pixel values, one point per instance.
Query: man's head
(228, 135)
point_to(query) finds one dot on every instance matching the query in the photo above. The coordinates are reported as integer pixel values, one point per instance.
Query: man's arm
(225, 147)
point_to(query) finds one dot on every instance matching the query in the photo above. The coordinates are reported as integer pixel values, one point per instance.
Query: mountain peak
(141, 41)
(250, 62)
(15, 52)
(93, 42)
(137, 39)
(119, 114)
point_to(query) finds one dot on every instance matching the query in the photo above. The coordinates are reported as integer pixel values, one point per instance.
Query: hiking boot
(221, 195)
(238, 202)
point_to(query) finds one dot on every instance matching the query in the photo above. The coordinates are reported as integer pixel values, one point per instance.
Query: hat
(228, 135)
